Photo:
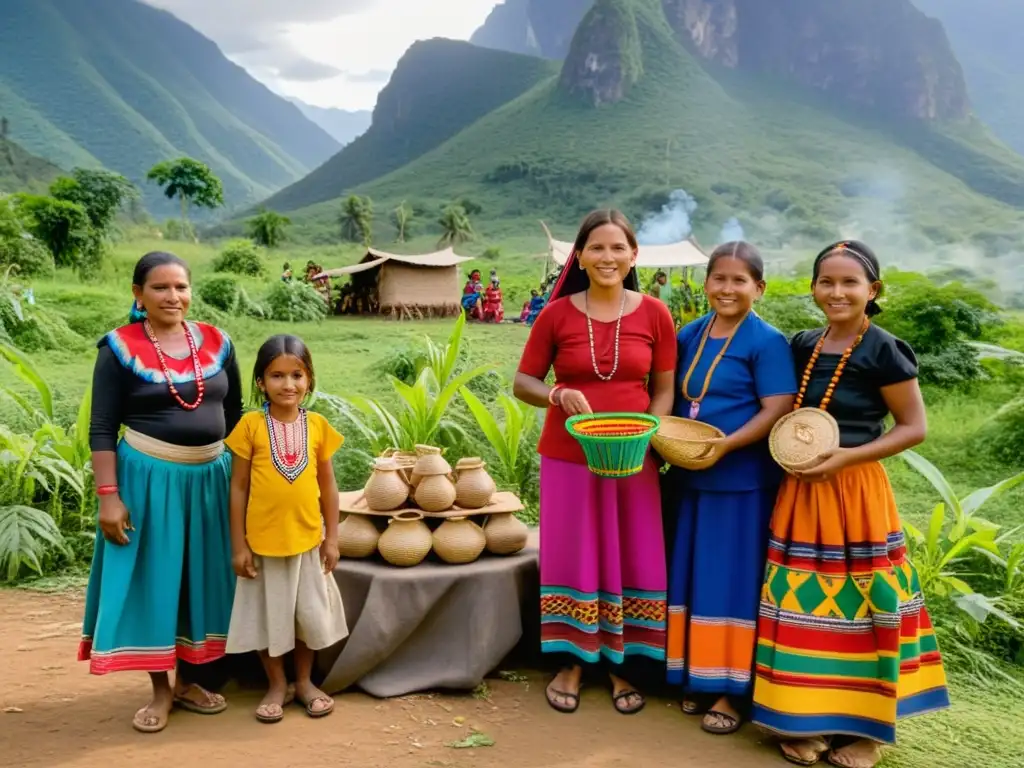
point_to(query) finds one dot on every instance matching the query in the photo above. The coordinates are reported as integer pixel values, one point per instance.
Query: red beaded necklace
(196, 366)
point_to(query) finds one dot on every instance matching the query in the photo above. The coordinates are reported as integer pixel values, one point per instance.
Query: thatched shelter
(413, 287)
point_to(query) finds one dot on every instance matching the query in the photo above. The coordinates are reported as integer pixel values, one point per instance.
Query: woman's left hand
(834, 462)
(329, 554)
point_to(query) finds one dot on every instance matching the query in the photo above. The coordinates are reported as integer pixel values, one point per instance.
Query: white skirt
(290, 598)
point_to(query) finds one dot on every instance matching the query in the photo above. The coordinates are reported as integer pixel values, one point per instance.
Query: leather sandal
(567, 709)
(816, 744)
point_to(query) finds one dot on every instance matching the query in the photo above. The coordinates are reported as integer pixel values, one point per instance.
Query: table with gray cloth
(432, 626)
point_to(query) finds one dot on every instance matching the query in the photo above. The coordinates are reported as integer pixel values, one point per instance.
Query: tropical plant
(455, 225)
(268, 228)
(512, 439)
(402, 217)
(356, 220)
(242, 257)
(191, 182)
(941, 554)
(295, 302)
(63, 227)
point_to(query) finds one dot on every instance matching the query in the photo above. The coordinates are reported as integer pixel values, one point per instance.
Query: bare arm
(531, 390)
(772, 409)
(328, 498)
(662, 393)
(906, 404)
(240, 474)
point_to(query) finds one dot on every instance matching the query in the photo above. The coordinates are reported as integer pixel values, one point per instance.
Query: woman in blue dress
(736, 373)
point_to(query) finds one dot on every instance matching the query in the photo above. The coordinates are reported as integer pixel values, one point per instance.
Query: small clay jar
(387, 487)
(435, 493)
(459, 540)
(406, 541)
(506, 534)
(474, 487)
(357, 537)
(429, 461)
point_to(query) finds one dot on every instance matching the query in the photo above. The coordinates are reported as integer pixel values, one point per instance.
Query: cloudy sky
(330, 53)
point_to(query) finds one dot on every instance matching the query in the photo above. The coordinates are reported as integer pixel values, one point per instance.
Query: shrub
(226, 295)
(242, 257)
(295, 302)
(26, 253)
(175, 229)
(789, 313)
(1003, 435)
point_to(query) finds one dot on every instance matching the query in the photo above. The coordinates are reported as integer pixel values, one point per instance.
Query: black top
(121, 395)
(857, 404)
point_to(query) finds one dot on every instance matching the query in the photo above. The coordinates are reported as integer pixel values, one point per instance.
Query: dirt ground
(53, 713)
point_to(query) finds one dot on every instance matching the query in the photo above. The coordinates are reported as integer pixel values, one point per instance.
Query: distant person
(661, 289)
(286, 274)
(472, 296)
(735, 373)
(160, 586)
(602, 563)
(494, 307)
(284, 529)
(846, 644)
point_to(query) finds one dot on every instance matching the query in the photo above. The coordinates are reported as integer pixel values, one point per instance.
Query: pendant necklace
(696, 401)
(590, 333)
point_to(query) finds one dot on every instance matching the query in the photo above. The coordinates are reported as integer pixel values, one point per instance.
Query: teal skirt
(166, 595)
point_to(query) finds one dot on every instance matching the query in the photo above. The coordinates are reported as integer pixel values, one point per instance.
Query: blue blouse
(758, 364)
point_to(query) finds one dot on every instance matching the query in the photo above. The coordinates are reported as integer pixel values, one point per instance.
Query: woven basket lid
(800, 438)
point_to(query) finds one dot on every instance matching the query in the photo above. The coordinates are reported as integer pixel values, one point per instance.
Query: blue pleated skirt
(167, 594)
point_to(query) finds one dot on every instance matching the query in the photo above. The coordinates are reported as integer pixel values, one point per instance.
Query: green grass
(119, 83)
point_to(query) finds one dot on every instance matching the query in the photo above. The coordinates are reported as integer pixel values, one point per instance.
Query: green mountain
(22, 172)
(637, 112)
(535, 27)
(986, 37)
(119, 84)
(438, 89)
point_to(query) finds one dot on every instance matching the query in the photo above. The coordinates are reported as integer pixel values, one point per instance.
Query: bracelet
(552, 398)
(106, 490)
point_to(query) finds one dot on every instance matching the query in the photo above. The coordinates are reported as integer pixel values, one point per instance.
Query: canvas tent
(682, 254)
(424, 285)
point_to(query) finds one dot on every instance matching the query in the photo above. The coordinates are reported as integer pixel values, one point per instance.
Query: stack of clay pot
(427, 478)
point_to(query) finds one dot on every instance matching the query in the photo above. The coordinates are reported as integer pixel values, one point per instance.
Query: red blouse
(559, 338)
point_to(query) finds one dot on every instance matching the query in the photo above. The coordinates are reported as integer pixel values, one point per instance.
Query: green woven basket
(614, 444)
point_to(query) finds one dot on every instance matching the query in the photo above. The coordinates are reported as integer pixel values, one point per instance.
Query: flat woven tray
(800, 438)
(354, 503)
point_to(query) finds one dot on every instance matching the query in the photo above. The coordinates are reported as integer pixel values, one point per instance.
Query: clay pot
(406, 541)
(474, 486)
(435, 493)
(357, 537)
(387, 487)
(506, 534)
(459, 540)
(429, 461)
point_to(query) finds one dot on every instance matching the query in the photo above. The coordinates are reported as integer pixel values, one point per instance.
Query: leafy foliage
(356, 219)
(225, 294)
(190, 181)
(268, 228)
(101, 193)
(62, 226)
(295, 302)
(402, 218)
(455, 225)
(18, 247)
(242, 257)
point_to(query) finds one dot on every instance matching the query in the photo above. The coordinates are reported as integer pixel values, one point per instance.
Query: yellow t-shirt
(283, 516)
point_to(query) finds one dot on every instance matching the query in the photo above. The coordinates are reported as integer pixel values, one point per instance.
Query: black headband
(847, 248)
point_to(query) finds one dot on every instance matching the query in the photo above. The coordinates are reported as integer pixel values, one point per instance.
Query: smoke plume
(672, 223)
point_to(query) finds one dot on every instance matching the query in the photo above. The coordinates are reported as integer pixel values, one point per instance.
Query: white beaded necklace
(590, 332)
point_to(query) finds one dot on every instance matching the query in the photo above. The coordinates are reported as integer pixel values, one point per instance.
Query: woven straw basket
(799, 440)
(684, 442)
(614, 444)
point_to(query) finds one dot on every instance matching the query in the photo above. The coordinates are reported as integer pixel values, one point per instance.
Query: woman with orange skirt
(846, 645)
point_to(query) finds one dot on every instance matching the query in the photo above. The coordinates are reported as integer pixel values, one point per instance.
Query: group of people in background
(483, 304)
(785, 599)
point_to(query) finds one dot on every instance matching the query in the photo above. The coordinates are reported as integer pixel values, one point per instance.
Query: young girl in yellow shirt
(284, 529)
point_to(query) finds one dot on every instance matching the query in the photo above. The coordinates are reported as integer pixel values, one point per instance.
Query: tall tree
(61, 226)
(101, 193)
(268, 228)
(191, 181)
(402, 217)
(356, 220)
(455, 225)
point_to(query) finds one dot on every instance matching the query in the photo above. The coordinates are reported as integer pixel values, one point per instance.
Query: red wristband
(106, 490)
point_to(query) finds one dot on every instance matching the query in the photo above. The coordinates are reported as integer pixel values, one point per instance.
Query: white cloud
(327, 52)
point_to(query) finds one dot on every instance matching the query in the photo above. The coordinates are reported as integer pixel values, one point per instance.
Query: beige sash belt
(179, 454)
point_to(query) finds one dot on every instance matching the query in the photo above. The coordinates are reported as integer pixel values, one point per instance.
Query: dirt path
(53, 713)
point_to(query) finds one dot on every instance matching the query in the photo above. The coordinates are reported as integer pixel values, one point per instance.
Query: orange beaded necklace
(835, 376)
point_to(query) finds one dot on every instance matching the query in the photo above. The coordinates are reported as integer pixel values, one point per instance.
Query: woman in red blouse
(602, 557)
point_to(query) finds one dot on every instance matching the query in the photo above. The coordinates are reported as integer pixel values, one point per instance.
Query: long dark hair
(742, 250)
(861, 253)
(143, 267)
(273, 348)
(575, 280)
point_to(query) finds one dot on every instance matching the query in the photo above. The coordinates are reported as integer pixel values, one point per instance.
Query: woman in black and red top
(161, 585)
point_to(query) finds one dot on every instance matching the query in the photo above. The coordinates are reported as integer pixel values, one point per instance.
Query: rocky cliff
(536, 27)
(605, 58)
(884, 55)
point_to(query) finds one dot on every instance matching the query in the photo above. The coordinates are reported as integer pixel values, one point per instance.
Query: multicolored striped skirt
(166, 594)
(846, 645)
(715, 576)
(602, 564)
